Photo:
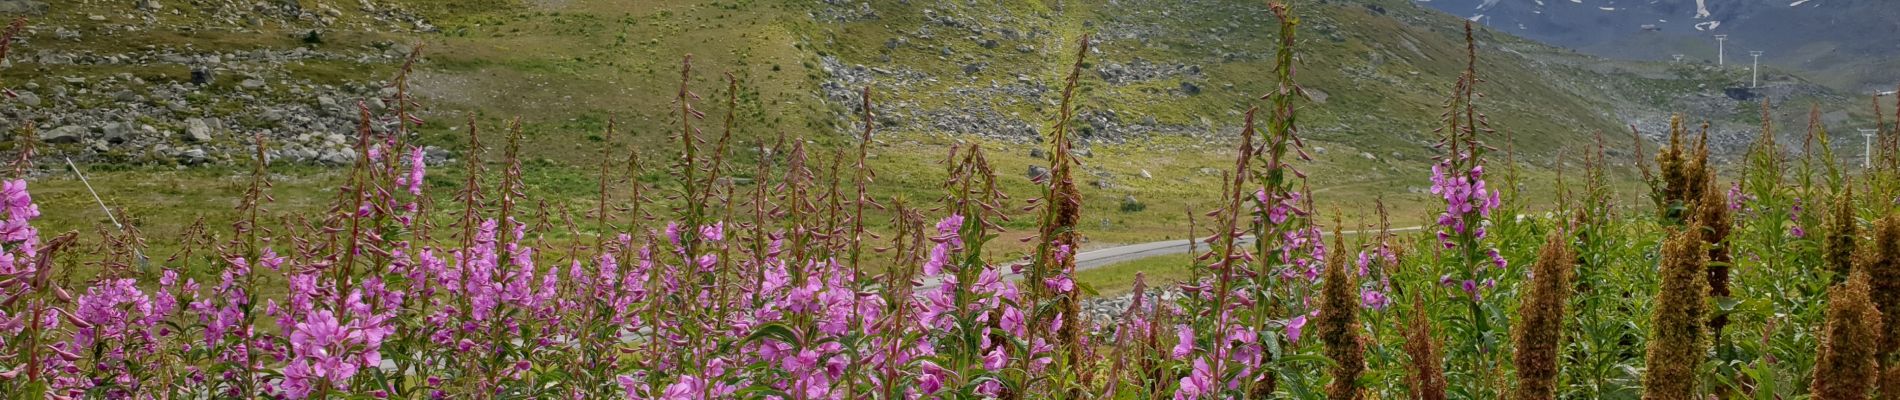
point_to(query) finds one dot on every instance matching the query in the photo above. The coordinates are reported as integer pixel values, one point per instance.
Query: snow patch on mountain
(1798, 3)
(1702, 10)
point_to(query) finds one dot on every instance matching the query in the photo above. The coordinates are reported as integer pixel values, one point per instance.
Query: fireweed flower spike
(1712, 213)
(1837, 249)
(1677, 338)
(1426, 376)
(1846, 368)
(1880, 260)
(1539, 328)
(1339, 327)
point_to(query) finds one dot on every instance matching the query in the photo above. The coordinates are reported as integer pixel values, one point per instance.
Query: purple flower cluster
(1466, 197)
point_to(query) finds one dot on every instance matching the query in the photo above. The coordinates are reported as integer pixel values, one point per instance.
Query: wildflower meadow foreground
(1769, 280)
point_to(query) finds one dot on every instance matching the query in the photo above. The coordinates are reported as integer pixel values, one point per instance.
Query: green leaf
(1086, 288)
(776, 331)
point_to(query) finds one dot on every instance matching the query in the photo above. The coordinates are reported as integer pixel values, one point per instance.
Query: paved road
(1115, 255)
(1098, 258)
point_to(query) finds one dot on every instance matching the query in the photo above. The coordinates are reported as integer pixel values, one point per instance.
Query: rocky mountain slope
(1848, 44)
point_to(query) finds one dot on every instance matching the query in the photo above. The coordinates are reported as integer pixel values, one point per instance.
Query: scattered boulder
(1038, 172)
(194, 156)
(33, 7)
(197, 130)
(64, 134)
(337, 157)
(27, 98)
(116, 132)
(200, 76)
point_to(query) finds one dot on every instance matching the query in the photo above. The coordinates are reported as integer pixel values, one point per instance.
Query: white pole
(1754, 79)
(1721, 51)
(140, 255)
(1867, 154)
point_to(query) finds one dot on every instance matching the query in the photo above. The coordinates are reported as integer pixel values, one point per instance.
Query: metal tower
(1721, 50)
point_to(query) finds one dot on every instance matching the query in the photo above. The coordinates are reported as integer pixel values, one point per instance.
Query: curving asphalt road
(1098, 258)
(1115, 255)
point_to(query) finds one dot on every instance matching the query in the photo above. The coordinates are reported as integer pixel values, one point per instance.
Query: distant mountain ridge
(1848, 44)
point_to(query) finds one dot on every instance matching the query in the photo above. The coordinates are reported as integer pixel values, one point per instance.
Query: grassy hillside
(1160, 102)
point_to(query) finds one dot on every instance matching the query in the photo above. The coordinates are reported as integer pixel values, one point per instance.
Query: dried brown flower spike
(1837, 249)
(1338, 326)
(1846, 368)
(1540, 321)
(1426, 378)
(1677, 339)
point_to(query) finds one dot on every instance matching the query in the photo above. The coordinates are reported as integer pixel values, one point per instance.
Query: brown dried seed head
(1846, 368)
(1881, 261)
(1540, 320)
(1837, 249)
(1426, 378)
(1338, 327)
(1676, 339)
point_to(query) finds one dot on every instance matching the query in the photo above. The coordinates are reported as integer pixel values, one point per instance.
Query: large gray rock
(22, 7)
(197, 130)
(27, 98)
(1038, 172)
(64, 134)
(193, 156)
(338, 157)
(116, 132)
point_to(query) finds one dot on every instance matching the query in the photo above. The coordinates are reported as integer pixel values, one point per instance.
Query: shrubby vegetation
(1774, 286)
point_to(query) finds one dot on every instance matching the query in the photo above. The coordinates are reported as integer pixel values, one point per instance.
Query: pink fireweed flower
(1060, 284)
(1294, 326)
(995, 360)
(318, 343)
(939, 256)
(1198, 383)
(1374, 299)
(948, 229)
(17, 230)
(110, 310)
(1794, 219)
(18, 202)
(931, 379)
(688, 388)
(416, 171)
(1184, 344)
